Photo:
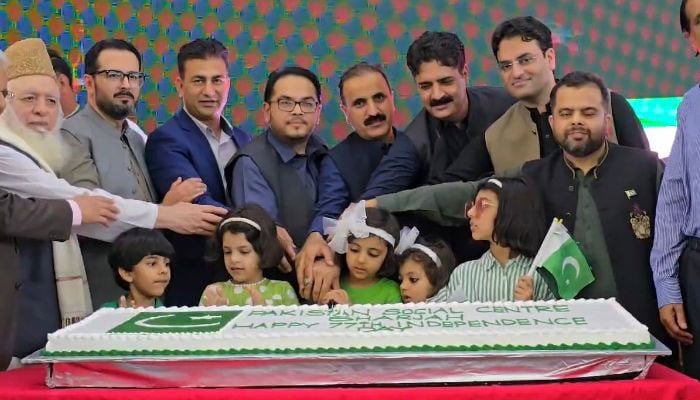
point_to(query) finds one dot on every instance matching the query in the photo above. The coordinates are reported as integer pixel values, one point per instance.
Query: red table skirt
(661, 384)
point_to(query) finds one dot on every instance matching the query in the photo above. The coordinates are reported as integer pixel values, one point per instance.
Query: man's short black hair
(520, 220)
(443, 47)
(60, 66)
(132, 246)
(526, 28)
(291, 70)
(200, 49)
(358, 69)
(108, 44)
(685, 21)
(577, 79)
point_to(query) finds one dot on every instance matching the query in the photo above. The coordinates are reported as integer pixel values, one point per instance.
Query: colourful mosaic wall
(635, 45)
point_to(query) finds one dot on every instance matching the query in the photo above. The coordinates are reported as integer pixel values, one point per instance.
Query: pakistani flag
(561, 263)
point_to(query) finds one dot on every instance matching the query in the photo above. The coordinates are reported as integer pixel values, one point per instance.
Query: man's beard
(114, 109)
(590, 146)
(49, 145)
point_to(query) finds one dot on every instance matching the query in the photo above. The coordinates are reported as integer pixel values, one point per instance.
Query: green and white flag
(561, 263)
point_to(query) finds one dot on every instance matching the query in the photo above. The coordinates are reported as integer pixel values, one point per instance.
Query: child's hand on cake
(214, 296)
(255, 296)
(339, 296)
(524, 289)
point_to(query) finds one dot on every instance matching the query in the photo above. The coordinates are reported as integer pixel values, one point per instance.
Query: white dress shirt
(222, 147)
(21, 175)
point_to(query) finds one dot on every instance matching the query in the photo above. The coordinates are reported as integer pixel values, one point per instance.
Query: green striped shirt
(486, 280)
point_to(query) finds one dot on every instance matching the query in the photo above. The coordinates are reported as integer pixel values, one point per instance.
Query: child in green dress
(364, 241)
(246, 239)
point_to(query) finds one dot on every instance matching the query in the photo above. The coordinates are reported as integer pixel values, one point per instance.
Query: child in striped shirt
(424, 268)
(509, 214)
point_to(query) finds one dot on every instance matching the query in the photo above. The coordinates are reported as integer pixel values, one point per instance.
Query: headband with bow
(352, 222)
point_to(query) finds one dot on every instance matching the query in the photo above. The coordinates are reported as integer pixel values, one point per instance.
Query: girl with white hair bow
(364, 240)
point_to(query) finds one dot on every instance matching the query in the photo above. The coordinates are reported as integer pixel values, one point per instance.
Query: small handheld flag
(561, 263)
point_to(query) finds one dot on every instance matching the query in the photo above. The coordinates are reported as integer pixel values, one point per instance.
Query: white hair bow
(408, 241)
(352, 222)
(407, 238)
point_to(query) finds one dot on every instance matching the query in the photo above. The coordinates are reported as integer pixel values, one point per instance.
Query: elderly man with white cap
(54, 290)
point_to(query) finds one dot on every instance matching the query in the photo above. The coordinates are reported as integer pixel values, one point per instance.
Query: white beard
(49, 145)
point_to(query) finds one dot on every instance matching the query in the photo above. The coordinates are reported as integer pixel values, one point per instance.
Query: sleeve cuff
(77, 214)
(668, 291)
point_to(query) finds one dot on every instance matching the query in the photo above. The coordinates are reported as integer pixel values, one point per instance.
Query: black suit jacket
(30, 219)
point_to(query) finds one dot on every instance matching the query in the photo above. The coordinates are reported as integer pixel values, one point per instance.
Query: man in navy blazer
(197, 142)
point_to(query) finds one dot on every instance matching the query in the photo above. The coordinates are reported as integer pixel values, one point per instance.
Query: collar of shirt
(226, 126)
(535, 114)
(94, 115)
(72, 113)
(491, 261)
(602, 158)
(286, 153)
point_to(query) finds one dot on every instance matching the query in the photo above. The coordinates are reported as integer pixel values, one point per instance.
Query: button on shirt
(222, 147)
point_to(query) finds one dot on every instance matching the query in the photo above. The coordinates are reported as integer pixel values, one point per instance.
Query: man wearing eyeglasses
(105, 152)
(279, 169)
(196, 143)
(526, 60)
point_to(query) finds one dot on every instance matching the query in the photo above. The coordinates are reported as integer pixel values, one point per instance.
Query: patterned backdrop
(636, 45)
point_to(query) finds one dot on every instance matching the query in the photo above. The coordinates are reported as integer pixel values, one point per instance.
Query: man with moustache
(106, 153)
(675, 258)
(368, 104)
(526, 61)
(453, 115)
(279, 170)
(605, 194)
(196, 143)
(54, 290)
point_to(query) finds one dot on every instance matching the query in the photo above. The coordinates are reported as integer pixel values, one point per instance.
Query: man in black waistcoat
(606, 195)
(279, 170)
(368, 104)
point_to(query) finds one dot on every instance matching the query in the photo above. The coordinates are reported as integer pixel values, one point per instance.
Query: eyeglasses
(30, 100)
(525, 60)
(479, 206)
(113, 75)
(288, 105)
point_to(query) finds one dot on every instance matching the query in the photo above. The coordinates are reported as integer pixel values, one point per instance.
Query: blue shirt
(249, 185)
(399, 169)
(677, 214)
(333, 195)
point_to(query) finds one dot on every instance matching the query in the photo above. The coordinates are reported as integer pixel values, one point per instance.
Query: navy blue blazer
(179, 149)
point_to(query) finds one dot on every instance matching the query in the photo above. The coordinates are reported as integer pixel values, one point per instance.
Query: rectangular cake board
(345, 370)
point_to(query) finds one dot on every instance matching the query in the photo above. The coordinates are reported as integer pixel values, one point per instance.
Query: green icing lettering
(561, 308)
(542, 322)
(524, 321)
(579, 321)
(474, 323)
(483, 309)
(562, 321)
(543, 308)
